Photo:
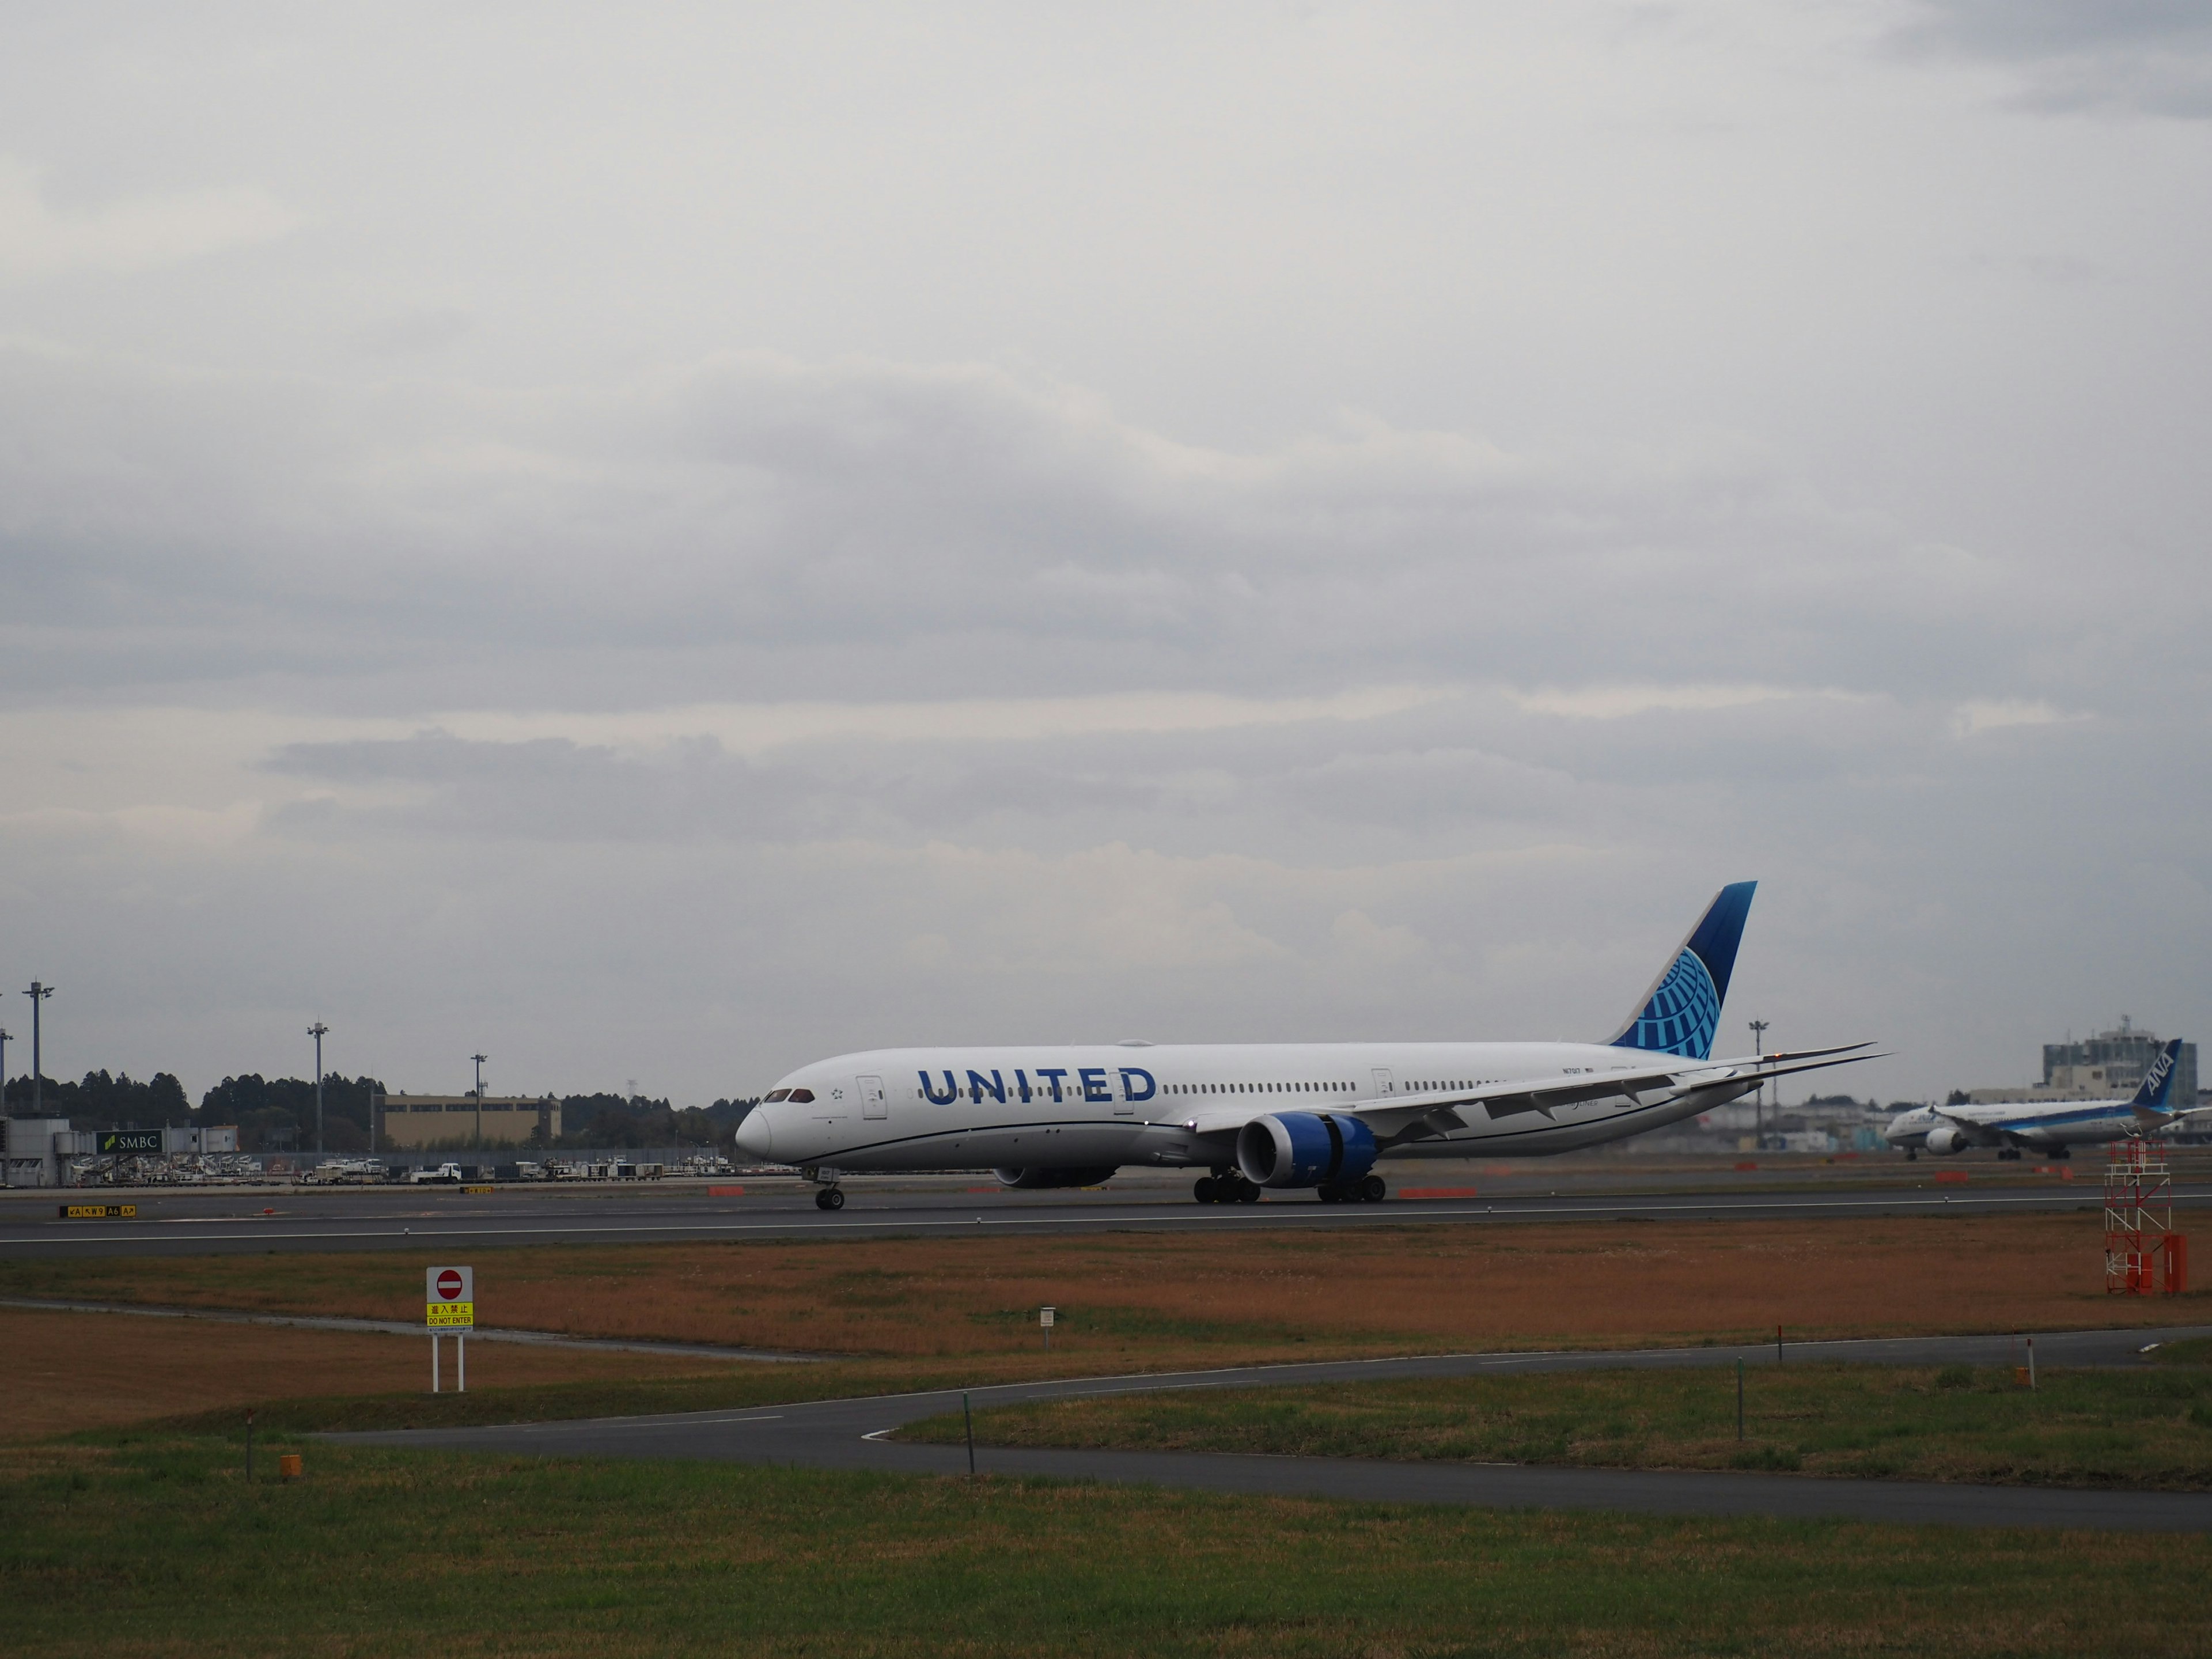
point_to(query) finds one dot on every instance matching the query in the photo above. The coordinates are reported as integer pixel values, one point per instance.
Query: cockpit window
(802, 1097)
(774, 1095)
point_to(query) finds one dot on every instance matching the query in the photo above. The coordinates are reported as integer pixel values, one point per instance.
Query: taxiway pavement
(850, 1434)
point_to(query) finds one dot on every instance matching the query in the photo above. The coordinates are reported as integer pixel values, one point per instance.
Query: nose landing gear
(830, 1199)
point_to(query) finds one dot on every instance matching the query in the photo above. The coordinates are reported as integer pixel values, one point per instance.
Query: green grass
(2134, 1428)
(151, 1544)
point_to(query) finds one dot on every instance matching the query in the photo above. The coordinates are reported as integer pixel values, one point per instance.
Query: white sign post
(449, 1303)
(1044, 1319)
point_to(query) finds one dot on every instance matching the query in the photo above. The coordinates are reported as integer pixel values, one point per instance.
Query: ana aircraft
(2044, 1125)
(1254, 1116)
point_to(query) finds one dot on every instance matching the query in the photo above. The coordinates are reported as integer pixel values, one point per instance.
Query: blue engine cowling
(1026, 1179)
(1305, 1148)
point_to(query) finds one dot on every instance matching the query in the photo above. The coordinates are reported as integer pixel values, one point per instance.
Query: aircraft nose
(756, 1135)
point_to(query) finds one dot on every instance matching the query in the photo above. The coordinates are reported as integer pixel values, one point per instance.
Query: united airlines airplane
(2044, 1125)
(1254, 1116)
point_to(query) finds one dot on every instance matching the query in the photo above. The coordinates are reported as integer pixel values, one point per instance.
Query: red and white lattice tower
(2142, 1253)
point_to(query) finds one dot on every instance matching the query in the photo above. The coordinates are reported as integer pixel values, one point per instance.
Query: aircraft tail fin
(1681, 1012)
(2149, 1103)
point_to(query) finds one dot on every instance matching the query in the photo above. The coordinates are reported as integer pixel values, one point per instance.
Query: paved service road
(212, 1221)
(844, 1434)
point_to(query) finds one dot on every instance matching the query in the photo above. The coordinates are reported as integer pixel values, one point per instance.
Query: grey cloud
(2145, 57)
(756, 527)
(1464, 773)
(411, 333)
(2046, 28)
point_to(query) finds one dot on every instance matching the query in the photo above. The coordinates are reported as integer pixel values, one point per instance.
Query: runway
(848, 1434)
(186, 1221)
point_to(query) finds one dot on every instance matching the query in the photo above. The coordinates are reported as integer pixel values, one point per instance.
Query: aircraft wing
(1225, 1120)
(1450, 1109)
(1974, 1123)
(1445, 1109)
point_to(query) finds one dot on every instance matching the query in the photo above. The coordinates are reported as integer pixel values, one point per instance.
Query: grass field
(68, 1372)
(146, 1541)
(2151, 1428)
(153, 1545)
(1157, 1300)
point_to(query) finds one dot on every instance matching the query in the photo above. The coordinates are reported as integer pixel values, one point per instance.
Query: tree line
(106, 1102)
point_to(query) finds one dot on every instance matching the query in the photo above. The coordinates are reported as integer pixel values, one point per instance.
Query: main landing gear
(1368, 1191)
(830, 1199)
(1224, 1189)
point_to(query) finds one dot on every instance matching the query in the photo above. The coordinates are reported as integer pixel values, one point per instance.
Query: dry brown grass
(69, 1370)
(1152, 1299)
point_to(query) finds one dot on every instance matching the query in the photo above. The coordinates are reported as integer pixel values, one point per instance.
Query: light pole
(38, 993)
(479, 1060)
(316, 1032)
(4, 1071)
(1758, 1102)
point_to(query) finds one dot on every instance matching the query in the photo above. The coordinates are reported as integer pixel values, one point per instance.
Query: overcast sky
(666, 542)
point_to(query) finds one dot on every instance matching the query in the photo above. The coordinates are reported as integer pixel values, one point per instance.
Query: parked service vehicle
(445, 1174)
(345, 1172)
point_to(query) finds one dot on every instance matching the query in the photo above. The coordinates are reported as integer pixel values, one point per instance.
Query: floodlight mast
(38, 993)
(1759, 1100)
(480, 1059)
(316, 1032)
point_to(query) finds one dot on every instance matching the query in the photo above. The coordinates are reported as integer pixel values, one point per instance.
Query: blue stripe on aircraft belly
(2093, 1116)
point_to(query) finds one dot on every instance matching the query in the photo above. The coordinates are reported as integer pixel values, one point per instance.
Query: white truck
(445, 1174)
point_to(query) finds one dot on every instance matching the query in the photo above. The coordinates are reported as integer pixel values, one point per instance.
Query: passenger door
(1384, 1085)
(873, 1102)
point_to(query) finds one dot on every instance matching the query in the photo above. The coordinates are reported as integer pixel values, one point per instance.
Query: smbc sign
(130, 1140)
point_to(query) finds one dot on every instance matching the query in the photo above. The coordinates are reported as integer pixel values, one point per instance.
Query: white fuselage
(2023, 1123)
(1103, 1105)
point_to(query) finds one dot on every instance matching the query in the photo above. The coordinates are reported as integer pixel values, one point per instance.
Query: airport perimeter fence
(490, 1161)
(488, 1166)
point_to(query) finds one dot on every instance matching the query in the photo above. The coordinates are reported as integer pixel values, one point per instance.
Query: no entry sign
(449, 1297)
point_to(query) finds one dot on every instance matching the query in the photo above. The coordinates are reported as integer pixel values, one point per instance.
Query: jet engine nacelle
(1032, 1178)
(1946, 1139)
(1305, 1148)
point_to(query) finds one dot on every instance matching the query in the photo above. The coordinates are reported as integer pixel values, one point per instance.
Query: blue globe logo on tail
(1681, 1012)
(1682, 1016)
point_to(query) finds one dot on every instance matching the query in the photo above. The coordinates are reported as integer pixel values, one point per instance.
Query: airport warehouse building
(407, 1123)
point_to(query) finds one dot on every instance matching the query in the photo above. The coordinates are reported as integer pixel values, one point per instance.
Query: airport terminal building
(2108, 1066)
(413, 1123)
